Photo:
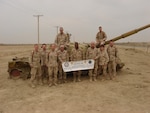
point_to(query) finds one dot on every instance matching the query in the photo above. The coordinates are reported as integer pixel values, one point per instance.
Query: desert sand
(130, 93)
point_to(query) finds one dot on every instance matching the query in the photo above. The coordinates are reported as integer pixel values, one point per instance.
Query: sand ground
(130, 93)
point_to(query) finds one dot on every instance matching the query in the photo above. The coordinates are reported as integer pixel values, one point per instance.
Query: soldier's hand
(31, 65)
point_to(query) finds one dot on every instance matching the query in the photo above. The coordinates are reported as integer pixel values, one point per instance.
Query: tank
(120, 64)
(19, 68)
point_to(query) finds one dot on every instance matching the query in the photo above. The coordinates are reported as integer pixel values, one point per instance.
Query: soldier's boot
(95, 78)
(55, 81)
(110, 76)
(59, 81)
(41, 82)
(90, 78)
(55, 84)
(50, 84)
(105, 76)
(32, 84)
(65, 81)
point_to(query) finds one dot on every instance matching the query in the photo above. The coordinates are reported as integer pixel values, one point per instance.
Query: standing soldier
(113, 54)
(63, 57)
(76, 55)
(35, 65)
(103, 61)
(62, 38)
(52, 63)
(92, 53)
(43, 62)
(101, 36)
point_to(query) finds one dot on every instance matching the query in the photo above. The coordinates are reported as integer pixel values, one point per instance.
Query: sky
(81, 18)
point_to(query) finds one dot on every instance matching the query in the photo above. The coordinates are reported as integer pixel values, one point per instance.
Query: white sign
(78, 65)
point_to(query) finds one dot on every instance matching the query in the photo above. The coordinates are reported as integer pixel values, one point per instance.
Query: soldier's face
(111, 43)
(92, 45)
(100, 28)
(61, 30)
(44, 46)
(62, 48)
(53, 47)
(36, 47)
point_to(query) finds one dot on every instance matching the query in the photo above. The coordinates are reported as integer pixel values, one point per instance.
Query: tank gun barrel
(128, 33)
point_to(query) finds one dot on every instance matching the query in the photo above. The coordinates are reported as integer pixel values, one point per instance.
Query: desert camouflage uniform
(76, 55)
(102, 62)
(62, 39)
(101, 37)
(93, 54)
(112, 53)
(35, 67)
(52, 63)
(44, 68)
(63, 57)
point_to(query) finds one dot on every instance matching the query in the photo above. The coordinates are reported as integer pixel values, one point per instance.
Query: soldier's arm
(107, 58)
(105, 36)
(116, 52)
(47, 58)
(59, 58)
(67, 56)
(66, 40)
(97, 54)
(71, 55)
(31, 58)
(87, 54)
(97, 38)
(56, 40)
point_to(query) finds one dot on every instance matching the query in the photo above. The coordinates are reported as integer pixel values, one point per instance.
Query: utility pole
(38, 16)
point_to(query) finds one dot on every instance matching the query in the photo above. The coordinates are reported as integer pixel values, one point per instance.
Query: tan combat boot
(32, 85)
(95, 78)
(90, 79)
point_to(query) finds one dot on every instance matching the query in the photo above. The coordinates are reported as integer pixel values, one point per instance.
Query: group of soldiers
(49, 62)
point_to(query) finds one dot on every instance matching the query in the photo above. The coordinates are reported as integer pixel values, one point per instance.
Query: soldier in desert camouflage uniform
(103, 61)
(113, 54)
(101, 36)
(62, 38)
(63, 57)
(44, 68)
(92, 53)
(52, 64)
(76, 55)
(35, 65)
